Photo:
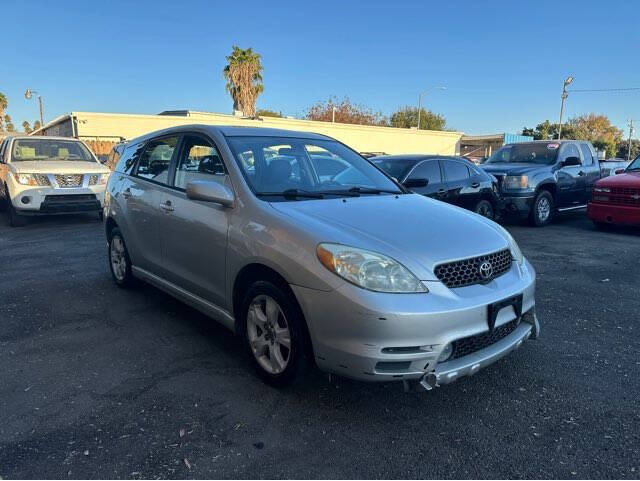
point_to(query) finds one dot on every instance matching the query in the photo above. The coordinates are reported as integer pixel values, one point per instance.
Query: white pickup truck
(49, 175)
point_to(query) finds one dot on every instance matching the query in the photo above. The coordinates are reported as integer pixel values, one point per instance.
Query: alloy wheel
(118, 258)
(269, 335)
(544, 209)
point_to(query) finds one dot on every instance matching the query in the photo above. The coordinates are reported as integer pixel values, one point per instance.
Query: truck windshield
(49, 149)
(635, 165)
(538, 153)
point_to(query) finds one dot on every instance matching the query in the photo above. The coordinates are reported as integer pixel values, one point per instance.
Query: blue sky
(503, 62)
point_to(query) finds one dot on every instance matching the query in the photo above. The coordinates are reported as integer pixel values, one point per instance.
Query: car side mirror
(210, 192)
(571, 161)
(619, 171)
(415, 183)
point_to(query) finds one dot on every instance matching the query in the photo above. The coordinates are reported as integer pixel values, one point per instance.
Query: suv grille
(467, 271)
(468, 345)
(69, 180)
(622, 196)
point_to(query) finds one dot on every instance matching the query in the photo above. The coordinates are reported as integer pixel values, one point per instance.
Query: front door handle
(475, 185)
(442, 192)
(581, 173)
(166, 206)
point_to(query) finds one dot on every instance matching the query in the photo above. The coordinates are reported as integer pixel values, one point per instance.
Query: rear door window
(156, 158)
(429, 170)
(587, 159)
(455, 171)
(129, 158)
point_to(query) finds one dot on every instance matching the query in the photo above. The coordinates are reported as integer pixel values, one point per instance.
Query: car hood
(58, 167)
(631, 179)
(511, 169)
(417, 231)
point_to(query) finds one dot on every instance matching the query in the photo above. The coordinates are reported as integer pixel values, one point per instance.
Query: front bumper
(29, 200)
(614, 214)
(384, 337)
(519, 206)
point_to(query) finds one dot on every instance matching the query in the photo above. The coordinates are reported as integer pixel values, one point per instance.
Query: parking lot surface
(100, 382)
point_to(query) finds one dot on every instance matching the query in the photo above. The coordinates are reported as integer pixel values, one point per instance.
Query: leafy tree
(598, 130)
(36, 125)
(244, 79)
(548, 131)
(346, 112)
(623, 149)
(268, 113)
(407, 117)
(26, 127)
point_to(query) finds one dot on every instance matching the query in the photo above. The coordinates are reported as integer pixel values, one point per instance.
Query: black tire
(291, 317)
(15, 219)
(3, 198)
(100, 216)
(485, 209)
(542, 209)
(604, 226)
(122, 276)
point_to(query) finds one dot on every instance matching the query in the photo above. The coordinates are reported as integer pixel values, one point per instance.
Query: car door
(458, 183)
(571, 179)
(194, 233)
(591, 168)
(431, 171)
(142, 195)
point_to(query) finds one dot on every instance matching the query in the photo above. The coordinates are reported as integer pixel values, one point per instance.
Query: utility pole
(563, 97)
(420, 100)
(630, 134)
(29, 95)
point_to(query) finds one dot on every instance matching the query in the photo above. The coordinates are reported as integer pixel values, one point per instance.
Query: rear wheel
(542, 209)
(273, 332)
(119, 261)
(485, 209)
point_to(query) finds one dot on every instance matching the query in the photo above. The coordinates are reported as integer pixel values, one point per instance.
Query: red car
(616, 199)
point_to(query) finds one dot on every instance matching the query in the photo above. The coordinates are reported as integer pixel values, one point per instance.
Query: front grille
(623, 200)
(42, 179)
(468, 345)
(625, 191)
(70, 198)
(69, 180)
(467, 272)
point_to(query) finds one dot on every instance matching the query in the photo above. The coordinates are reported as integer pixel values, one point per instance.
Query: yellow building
(102, 130)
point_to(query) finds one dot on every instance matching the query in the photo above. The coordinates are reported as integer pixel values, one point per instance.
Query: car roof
(42, 137)
(415, 157)
(551, 141)
(233, 131)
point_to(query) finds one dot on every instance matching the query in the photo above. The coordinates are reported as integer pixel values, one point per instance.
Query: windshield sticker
(553, 146)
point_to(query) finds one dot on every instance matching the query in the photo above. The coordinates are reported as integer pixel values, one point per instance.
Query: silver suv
(303, 247)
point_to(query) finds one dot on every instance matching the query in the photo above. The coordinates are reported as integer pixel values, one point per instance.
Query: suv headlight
(368, 270)
(32, 179)
(516, 182)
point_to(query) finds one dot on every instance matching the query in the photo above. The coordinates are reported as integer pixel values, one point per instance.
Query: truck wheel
(3, 198)
(542, 209)
(15, 219)
(485, 209)
(273, 333)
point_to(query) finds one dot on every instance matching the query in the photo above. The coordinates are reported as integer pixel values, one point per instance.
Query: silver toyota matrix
(307, 250)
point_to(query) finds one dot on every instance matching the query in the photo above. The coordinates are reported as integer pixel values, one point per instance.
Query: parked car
(49, 175)
(365, 278)
(538, 179)
(616, 199)
(455, 180)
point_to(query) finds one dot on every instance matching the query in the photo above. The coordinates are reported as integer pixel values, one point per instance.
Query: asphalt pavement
(101, 382)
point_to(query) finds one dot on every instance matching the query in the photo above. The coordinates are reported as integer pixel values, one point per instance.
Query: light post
(29, 95)
(420, 100)
(563, 96)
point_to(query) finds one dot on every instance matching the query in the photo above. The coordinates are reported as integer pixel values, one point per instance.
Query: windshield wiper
(293, 193)
(369, 190)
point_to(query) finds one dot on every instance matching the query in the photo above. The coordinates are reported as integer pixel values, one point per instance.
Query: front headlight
(601, 189)
(516, 253)
(368, 270)
(516, 182)
(32, 179)
(98, 179)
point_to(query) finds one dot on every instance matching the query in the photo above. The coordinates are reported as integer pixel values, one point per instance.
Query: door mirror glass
(571, 161)
(415, 183)
(619, 171)
(210, 192)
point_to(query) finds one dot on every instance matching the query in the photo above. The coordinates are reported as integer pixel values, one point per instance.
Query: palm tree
(4, 103)
(244, 79)
(26, 127)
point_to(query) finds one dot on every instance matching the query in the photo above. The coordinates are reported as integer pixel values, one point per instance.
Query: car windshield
(538, 153)
(291, 168)
(397, 168)
(49, 149)
(635, 165)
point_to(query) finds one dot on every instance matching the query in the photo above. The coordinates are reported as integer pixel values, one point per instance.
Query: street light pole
(29, 95)
(420, 100)
(563, 97)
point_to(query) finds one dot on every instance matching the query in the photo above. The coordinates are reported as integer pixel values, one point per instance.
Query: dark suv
(450, 179)
(539, 178)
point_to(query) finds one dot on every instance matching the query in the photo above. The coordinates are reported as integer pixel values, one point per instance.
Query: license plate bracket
(493, 309)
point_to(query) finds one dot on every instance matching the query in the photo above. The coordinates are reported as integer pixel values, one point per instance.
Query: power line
(604, 90)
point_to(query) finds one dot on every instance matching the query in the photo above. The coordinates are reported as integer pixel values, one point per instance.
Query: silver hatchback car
(303, 247)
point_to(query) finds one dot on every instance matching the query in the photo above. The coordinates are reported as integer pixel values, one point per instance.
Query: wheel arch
(550, 187)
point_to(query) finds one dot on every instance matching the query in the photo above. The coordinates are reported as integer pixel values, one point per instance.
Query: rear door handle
(581, 173)
(166, 206)
(475, 185)
(126, 193)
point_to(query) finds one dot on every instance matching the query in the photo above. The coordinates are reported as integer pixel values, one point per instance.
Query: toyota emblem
(486, 270)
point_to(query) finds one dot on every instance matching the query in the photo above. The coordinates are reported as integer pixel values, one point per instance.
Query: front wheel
(273, 332)
(485, 209)
(15, 219)
(542, 209)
